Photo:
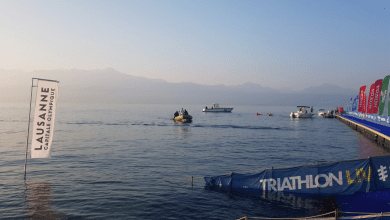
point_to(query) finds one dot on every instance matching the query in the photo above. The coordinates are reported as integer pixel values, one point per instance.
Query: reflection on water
(39, 200)
(368, 148)
(182, 130)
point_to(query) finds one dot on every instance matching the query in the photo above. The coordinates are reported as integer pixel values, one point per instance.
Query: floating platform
(377, 133)
(328, 116)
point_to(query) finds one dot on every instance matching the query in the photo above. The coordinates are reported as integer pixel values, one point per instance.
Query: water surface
(135, 162)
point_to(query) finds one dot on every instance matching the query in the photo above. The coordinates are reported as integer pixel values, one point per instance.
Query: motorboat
(303, 112)
(216, 108)
(269, 114)
(321, 112)
(182, 116)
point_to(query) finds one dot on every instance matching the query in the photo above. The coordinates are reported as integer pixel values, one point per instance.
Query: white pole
(28, 129)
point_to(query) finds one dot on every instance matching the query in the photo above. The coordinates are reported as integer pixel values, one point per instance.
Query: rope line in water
(175, 180)
(245, 217)
(335, 213)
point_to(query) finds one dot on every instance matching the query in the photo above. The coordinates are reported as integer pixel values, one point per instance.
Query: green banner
(384, 94)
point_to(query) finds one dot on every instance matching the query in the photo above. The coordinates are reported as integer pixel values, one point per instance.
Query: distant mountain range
(110, 86)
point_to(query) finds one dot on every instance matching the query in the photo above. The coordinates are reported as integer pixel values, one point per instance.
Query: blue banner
(355, 103)
(338, 178)
(385, 120)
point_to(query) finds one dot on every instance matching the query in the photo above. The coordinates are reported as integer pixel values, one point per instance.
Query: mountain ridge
(111, 86)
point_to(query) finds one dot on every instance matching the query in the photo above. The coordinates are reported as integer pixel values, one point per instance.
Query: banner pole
(28, 129)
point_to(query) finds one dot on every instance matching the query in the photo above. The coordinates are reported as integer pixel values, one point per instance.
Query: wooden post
(192, 181)
(336, 214)
(246, 217)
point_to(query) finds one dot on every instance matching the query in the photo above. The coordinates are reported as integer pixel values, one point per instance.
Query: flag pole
(28, 129)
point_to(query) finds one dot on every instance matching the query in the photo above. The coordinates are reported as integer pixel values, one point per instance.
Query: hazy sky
(273, 43)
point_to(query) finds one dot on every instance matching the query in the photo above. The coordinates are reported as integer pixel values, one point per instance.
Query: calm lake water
(135, 162)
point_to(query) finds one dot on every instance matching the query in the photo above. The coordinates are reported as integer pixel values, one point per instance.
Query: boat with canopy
(321, 112)
(303, 112)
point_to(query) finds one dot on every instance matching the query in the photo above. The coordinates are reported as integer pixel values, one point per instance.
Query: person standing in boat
(182, 111)
(311, 109)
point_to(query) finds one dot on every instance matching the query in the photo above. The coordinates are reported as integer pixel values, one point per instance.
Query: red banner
(364, 107)
(362, 98)
(370, 102)
(378, 88)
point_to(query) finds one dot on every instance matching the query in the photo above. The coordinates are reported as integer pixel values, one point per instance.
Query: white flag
(44, 117)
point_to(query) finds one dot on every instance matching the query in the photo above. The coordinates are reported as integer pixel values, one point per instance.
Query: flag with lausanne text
(44, 117)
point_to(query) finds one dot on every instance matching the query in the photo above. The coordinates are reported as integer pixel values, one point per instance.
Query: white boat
(216, 108)
(321, 112)
(303, 112)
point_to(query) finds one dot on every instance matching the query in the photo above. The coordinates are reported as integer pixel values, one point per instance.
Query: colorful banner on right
(384, 97)
(362, 100)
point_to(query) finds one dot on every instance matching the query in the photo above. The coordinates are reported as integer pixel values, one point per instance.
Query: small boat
(257, 114)
(216, 108)
(321, 112)
(183, 116)
(269, 114)
(303, 112)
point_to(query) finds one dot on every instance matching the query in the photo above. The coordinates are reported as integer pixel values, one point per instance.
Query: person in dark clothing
(176, 114)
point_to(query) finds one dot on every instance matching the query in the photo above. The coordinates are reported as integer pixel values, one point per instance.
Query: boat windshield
(303, 107)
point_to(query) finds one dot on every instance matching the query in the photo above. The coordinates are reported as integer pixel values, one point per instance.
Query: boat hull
(183, 118)
(218, 110)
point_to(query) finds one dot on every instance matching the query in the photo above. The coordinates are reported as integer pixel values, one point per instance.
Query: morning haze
(111, 86)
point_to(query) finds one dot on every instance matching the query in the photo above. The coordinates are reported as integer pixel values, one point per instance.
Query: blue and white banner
(385, 120)
(355, 103)
(339, 178)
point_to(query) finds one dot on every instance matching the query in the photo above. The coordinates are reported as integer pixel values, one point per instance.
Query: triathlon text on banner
(44, 117)
(337, 178)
